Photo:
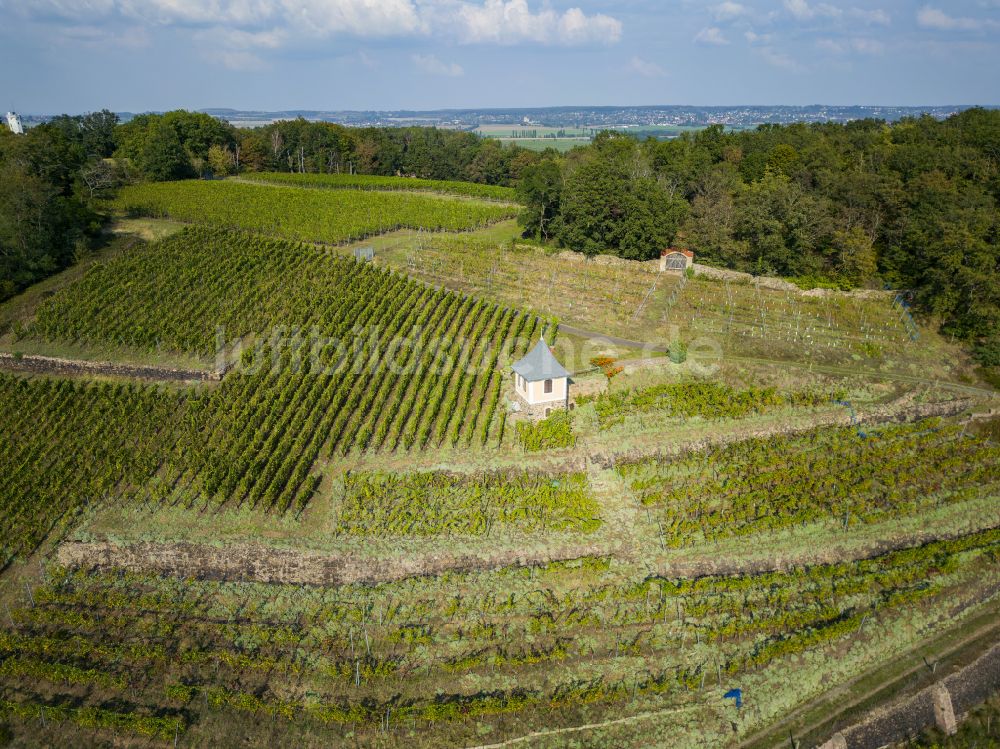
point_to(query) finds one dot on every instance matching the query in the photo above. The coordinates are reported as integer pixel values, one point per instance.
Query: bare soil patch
(56, 366)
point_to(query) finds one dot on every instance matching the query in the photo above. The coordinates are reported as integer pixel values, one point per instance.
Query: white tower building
(14, 123)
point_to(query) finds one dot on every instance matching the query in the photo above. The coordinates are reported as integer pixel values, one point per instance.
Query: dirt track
(52, 365)
(265, 564)
(257, 562)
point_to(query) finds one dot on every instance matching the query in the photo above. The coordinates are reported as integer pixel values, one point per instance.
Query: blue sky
(79, 55)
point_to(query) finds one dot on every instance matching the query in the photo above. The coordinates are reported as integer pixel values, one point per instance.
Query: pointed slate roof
(540, 364)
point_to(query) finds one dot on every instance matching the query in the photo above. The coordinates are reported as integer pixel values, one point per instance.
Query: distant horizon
(437, 55)
(485, 109)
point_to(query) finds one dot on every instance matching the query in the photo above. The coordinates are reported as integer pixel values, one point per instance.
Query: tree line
(910, 205)
(53, 176)
(183, 144)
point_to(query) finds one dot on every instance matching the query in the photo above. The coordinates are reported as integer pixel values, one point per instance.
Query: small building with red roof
(675, 259)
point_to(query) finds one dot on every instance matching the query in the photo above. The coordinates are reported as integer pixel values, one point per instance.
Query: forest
(910, 205)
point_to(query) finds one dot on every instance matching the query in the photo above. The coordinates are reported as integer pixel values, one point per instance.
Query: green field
(327, 216)
(541, 131)
(540, 137)
(368, 182)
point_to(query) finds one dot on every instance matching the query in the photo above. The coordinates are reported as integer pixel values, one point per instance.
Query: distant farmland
(540, 137)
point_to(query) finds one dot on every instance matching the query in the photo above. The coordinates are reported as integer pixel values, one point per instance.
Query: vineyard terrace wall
(909, 716)
(57, 366)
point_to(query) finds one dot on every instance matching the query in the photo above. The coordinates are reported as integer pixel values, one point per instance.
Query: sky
(138, 55)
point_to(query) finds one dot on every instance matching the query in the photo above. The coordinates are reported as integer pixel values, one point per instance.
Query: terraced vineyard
(337, 355)
(64, 444)
(386, 364)
(749, 317)
(685, 400)
(372, 182)
(327, 216)
(436, 504)
(491, 655)
(718, 318)
(590, 294)
(556, 576)
(831, 474)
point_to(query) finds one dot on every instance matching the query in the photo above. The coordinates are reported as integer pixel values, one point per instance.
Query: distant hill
(583, 116)
(677, 115)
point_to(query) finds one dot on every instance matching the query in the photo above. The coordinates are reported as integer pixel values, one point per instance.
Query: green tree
(540, 191)
(220, 160)
(952, 234)
(163, 156)
(785, 227)
(42, 220)
(711, 224)
(97, 133)
(174, 145)
(856, 258)
(613, 203)
(783, 159)
(601, 212)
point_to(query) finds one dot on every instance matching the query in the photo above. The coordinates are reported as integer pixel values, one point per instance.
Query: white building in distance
(14, 123)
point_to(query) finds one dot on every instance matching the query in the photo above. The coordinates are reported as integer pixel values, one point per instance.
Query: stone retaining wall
(910, 716)
(52, 365)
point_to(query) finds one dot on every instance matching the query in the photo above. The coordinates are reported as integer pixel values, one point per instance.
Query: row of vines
(373, 182)
(64, 444)
(685, 400)
(433, 658)
(433, 504)
(326, 354)
(328, 216)
(831, 474)
(363, 359)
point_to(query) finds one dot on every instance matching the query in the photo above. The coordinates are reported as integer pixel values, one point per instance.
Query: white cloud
(513, 22)
(867, 46)
(366, 18)
(194, 11)
(779, 59)
(803, 11)
(711, 35)
(830, 45)
(753, 37)
(133, 37)
(359, 17)
(646, 68)
(432, 65)
(860, 45)
(75, 9)
(932, 18)
(238, 60)
(238, 39)
(468, 21)
(876, 17)
(729, 11)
